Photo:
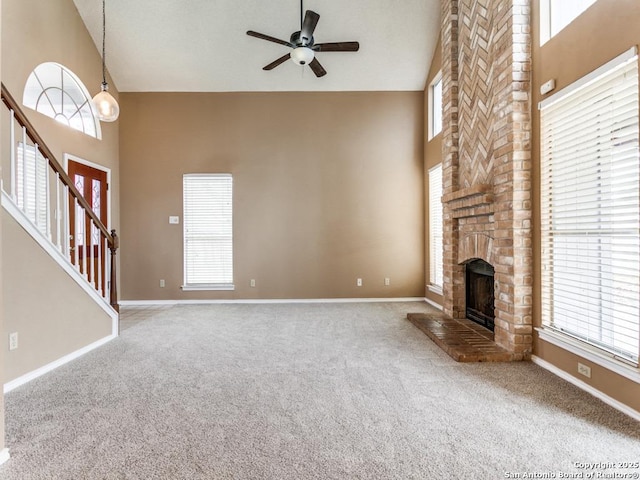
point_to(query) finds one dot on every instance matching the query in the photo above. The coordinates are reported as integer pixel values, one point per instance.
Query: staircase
(37, 189)
(39, 195)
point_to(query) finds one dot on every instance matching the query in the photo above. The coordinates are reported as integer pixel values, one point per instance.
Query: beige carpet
(322, 391)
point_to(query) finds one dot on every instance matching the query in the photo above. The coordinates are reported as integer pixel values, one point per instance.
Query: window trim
(434, 287)
(601, 356)
(45, 84)
(546, 30)
(225, 286)
(432, 133)
(590, 77)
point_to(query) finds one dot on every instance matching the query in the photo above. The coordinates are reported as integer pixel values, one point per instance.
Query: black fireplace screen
(479, 288)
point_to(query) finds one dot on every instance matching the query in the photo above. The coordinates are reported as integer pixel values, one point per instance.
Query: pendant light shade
(107, 106)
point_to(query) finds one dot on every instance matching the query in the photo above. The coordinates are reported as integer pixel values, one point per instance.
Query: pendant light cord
(104, 29)
(301, 14)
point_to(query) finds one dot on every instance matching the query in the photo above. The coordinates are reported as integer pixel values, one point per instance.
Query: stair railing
(44, 192)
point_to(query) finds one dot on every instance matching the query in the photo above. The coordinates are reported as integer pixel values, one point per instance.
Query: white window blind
(208, 231)
(31, 185)
(590, 210)
(435, 227)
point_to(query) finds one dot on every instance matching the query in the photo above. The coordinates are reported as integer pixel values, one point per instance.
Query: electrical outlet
(252, 282)
(13, 341)
(387, 281)
(358, 282)
(584, 370)
(162, 284)
(174, 220)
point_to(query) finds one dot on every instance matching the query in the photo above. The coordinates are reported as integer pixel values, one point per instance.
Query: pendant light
(107, 106)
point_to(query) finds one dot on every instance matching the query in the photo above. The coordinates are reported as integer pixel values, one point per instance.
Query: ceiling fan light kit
(303, 46)
(302, 55)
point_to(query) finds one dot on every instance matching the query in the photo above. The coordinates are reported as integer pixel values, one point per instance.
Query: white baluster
(75, 251)
(24, 169)
(67, 222)
(58, 214)
(48, 200)
(85, 245)
(100, 262)
(12, 155)
(90, 252)
(107, 268)
(36, 190)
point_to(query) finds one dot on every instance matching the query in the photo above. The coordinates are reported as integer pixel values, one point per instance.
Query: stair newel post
(113, 247)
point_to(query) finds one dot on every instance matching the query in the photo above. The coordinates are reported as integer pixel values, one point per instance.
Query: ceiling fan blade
(274, 64)
(309, 25)
(251, 33)
(336, 47)
(317, 68)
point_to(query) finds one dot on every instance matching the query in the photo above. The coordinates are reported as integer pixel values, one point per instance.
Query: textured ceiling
(202, 46)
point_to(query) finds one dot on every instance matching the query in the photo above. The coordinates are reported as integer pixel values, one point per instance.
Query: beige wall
(328, 187)
(49, 310)
(35, 31)
(605, 30)
(432, 157)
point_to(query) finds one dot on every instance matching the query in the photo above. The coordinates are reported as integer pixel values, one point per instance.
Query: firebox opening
(479, 293)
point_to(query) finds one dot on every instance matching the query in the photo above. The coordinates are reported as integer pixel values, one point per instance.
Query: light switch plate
(174, 220)
(547, 86)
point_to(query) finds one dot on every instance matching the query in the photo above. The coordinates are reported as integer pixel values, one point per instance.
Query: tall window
(208, 231)
(557, 14)
(55, 91)
(435, 106)
(32, 194)
(435, 229)
(591, 211)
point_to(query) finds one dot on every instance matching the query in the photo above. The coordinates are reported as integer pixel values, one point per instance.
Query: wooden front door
(88, 250)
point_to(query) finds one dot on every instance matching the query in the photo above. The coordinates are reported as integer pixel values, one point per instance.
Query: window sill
(435, 289)
(433, 135)
(214, 287)
(608, 361)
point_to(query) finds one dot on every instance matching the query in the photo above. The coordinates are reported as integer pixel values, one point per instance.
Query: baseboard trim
(13, 384)
(4, 455)
(586, 387)
(150, 303)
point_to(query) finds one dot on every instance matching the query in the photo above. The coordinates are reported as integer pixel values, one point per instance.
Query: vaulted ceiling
(202, 45)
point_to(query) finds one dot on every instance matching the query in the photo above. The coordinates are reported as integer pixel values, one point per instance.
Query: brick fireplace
(486, 74)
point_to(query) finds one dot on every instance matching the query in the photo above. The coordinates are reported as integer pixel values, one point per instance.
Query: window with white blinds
(435, 228)
(435, 110)
(208, 231)
(31, 185)
(590, 210)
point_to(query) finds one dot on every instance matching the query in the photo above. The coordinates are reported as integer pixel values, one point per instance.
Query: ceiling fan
(302, 43)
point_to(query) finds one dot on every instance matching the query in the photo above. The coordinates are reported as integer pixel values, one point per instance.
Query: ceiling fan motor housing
(300, 41)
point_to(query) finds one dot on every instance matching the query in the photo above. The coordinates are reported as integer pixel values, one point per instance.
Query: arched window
(57, 92)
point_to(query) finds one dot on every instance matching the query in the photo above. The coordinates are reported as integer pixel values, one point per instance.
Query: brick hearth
(463, 340)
